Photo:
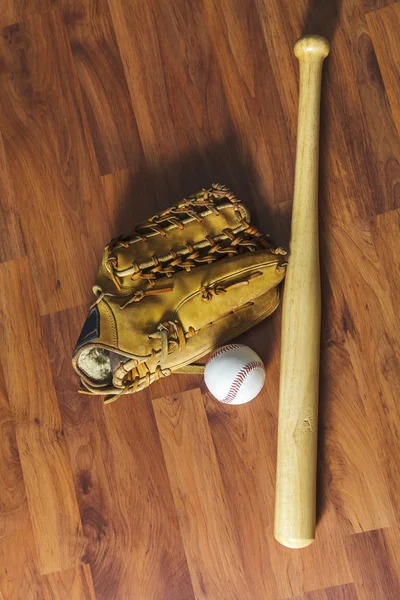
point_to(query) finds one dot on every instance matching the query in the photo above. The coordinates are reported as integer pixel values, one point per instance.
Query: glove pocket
(229, 286)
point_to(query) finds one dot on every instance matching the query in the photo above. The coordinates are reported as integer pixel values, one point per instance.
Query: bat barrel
(301, 316)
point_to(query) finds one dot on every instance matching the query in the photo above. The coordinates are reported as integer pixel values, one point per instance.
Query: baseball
(234, 374)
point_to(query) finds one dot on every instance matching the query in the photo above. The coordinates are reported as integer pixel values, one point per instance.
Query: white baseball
(234, 374)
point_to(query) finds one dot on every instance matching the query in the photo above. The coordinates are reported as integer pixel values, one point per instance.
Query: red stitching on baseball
(223, 350)
(239, 379)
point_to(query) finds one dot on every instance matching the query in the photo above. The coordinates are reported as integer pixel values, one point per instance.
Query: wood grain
(13, 11)
(356, 165)
(18, 556)
(11, 239)
(384, 27)
(255, 108)
(345, 434)
(174, 83)
(246, 461)
(377, 123)
(198, 143)
(75, 583)
(369, 325)
(21, 581)
(105, 93)
(45, 463)
(375, 564)
(386, 232)
(340, 592)
(129, 199)
(374, 5)
(41, 99)
(110, 111)
(357, 488)
(206, 524)
(367, 169)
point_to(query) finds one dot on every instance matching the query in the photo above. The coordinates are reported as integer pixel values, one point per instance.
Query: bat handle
(301, 315)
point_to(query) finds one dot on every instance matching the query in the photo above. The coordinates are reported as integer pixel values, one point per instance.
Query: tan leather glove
(188, 280)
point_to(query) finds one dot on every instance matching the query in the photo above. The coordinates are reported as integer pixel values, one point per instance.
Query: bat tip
(293, 543)
(312, 45)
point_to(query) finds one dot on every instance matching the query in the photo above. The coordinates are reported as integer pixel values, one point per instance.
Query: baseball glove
(188, 280)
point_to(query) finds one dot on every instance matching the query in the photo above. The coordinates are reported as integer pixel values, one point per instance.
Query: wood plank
(129, 198)
(11, 239)
(75, 583)
(51, 160)
(245, 442)
(339, 592)
(365, 336)
(172, 75)
(198, 144)
(326, 563)
(137, 36)
(133, 545)
(104, 89)
(267, 115)
(373, 5)
(13, 11)
(384, 28)
(386, 232)
(354, 119)
(178, 97)
(357, 487)
(347, 161)
(256, 109)
(338, 178)
(280, 30)
(40, 438)
(214, 88)
(382, 142)
(208, 530)
(19, 576)
(21, 581)
(375, 563)
(245, 438)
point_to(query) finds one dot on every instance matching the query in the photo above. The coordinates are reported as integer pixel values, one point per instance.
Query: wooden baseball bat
(295, 500)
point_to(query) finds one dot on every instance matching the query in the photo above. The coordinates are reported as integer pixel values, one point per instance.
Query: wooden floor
(109, 112)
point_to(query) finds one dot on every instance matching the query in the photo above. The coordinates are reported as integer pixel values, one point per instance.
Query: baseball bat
(295, 500)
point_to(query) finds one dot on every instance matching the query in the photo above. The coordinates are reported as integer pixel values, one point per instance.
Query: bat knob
(311, 46)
